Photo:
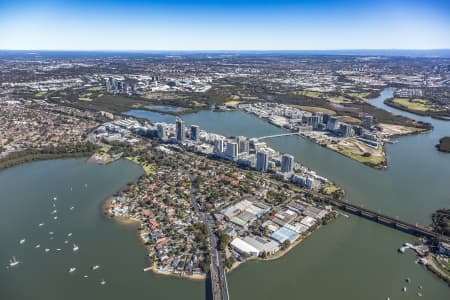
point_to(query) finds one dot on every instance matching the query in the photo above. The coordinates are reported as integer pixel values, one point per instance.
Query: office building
(287, 163)
(332, 123)
(219, 146)
(315, 121)
(262, 161)
(195, 133)
(180, 130)
(232, 150)
(346, 130)
(108, 85)
(162, 134)
(309, 183)
(243, 144)
(367, 121)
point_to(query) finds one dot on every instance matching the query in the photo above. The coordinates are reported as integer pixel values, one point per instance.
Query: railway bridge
(385, 219)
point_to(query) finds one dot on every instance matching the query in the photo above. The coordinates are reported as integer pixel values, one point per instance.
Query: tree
(441, 221)
(224, 240)
(205, 265)
(229, 262)
(285, 244)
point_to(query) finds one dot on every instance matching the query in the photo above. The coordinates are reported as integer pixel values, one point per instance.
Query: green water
(351, 258)
(26, 194)
(415, 184)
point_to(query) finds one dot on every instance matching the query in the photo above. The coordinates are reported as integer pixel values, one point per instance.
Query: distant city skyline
(224, 25)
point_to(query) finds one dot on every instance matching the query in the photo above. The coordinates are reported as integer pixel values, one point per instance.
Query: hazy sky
(224, 25)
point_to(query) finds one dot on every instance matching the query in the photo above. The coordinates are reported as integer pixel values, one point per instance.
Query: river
(351, 258)
(26, 194)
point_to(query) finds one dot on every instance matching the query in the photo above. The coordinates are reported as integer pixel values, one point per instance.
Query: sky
(224, 25)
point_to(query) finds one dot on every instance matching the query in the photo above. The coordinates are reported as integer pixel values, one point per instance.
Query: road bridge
(276, 135)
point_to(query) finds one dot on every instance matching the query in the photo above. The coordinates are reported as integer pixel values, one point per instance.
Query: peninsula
(444, 144)
(360, 139)
(208, 202)
(259, 201)
(424, 102)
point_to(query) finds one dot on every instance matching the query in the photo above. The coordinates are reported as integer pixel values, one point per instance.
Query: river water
(26, 200)
(351, 258)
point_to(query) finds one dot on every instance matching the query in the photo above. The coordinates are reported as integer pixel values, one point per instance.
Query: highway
(219, 282)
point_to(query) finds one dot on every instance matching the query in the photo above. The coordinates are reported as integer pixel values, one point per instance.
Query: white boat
(75, 247)
(47, 250)
(54, 198)
(419, 294)
(58, 249)
(51, 233)
(73, 269)
(69, 234)
(55, 217)
(72, 208)
(103, 282)
(37, 246)
(85, 276)
(41, 224)
(13, 262)
(66, 242)
(54, 205)
(22, 241)
(54, 211)
(95, 267)
(404, 289)
(423, 261)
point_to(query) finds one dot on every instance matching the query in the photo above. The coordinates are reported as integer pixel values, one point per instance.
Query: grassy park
(95, 89)
(315, 109)
(415, 104)
(149, 168)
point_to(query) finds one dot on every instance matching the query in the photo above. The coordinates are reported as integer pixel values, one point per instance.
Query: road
(218, 275)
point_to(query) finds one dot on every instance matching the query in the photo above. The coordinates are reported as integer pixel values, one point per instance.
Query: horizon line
(232, 50)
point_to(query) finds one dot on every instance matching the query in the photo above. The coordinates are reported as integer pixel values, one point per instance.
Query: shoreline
(443, 145)
(389, 103)
(433, 268)
(127, 220)
(30, 158)
(130, 221)
(381, 166)
(280, 254)
(196, 277)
